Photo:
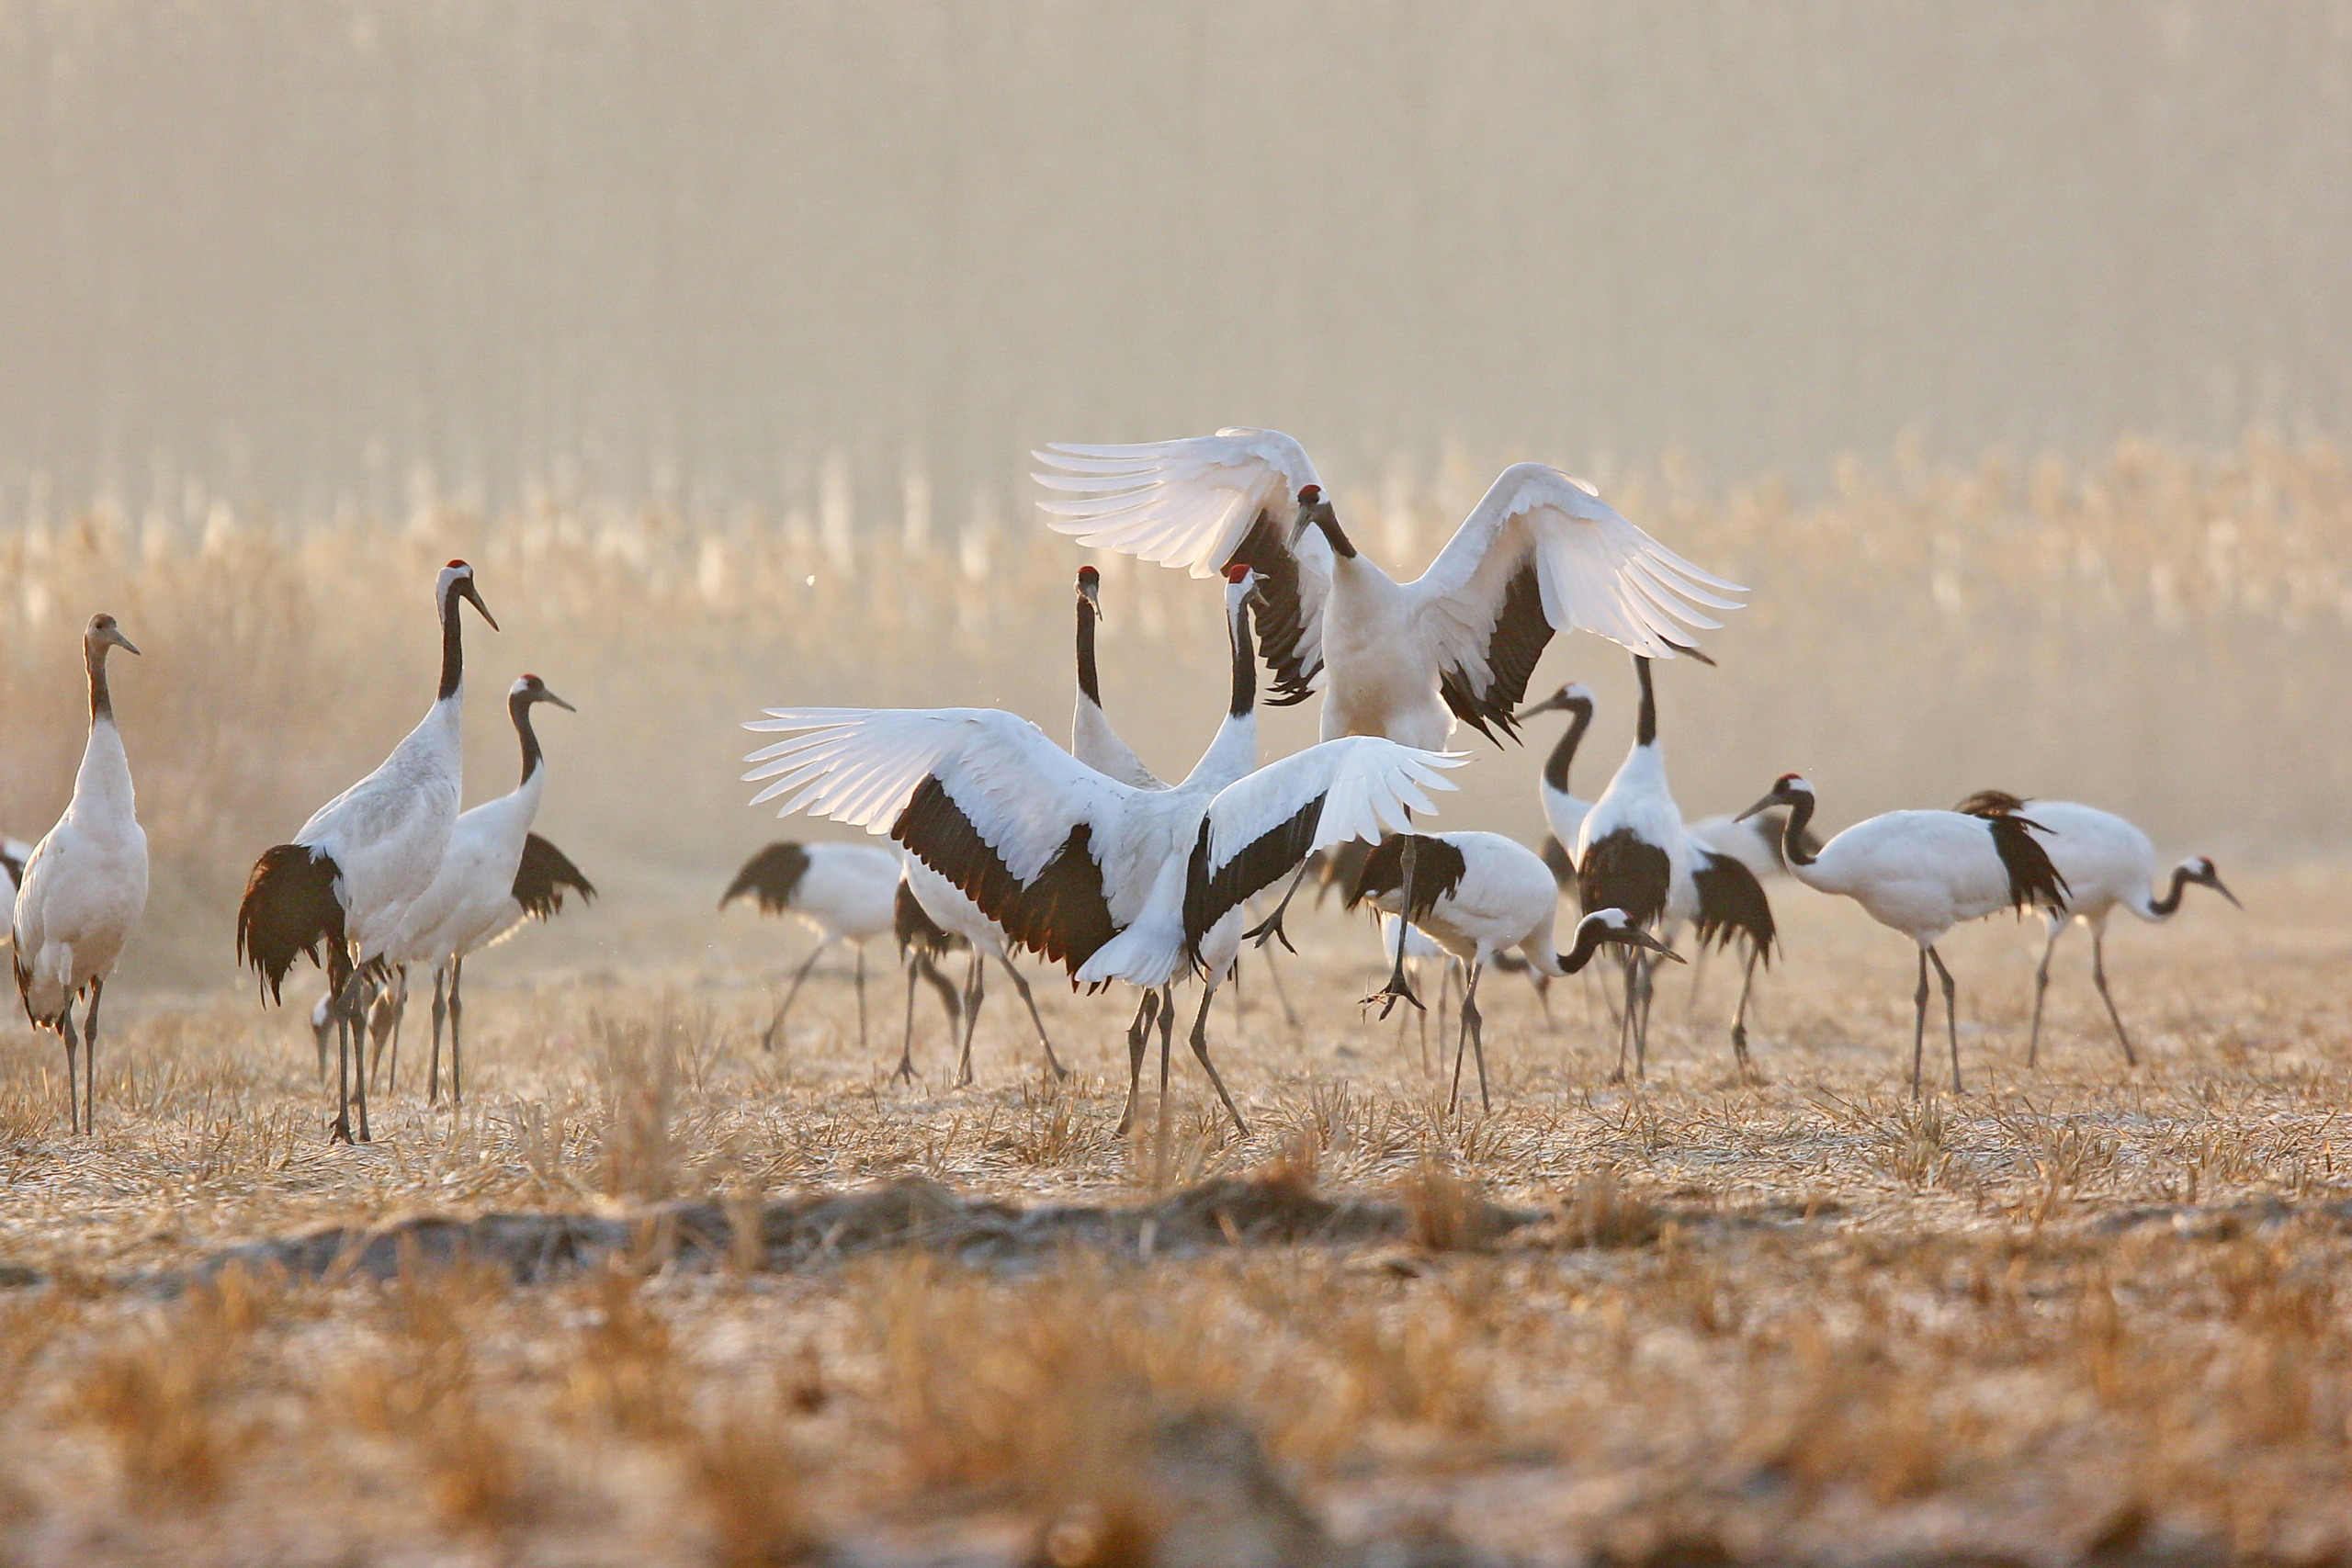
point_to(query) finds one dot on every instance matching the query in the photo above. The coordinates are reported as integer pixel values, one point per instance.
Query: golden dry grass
(2075, 1313)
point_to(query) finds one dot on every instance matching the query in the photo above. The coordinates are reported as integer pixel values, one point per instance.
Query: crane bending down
(1540, 553)
(83, 886)
(1922, 872)
(338, 892)
(1113, 882)
(2107, 862)
(1480, 894)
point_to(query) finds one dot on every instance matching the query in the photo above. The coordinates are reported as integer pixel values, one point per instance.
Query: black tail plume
(1438, 869)
(772, 877)
(1731, 903)
(541, 878)
(290, 911)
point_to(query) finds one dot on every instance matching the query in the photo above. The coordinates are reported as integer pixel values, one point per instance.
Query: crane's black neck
(2164, 906)
(1792, 834)
(94, 659)
(1329, 521)
(518, 708)
(1564, 754)
(1645, 726)
(1245, 664)
(1089, 686)
(453, 651)
(1589, 936)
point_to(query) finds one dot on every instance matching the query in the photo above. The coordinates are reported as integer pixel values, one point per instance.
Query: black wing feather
(1282, 615)
(1519, 634)
(1210, 895)
(544, 874)
(1437, 870)
(771, 876)
(1624, 871)
(1062, 913)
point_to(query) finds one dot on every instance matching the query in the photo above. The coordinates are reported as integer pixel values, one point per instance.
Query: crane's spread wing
(1203, 504)
(1542, 553)
(982, 797)
(1259, 829)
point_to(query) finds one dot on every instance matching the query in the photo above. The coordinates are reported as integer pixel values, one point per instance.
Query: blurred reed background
(717, 332)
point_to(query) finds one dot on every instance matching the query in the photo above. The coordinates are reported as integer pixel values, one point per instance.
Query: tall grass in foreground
(2163, 630)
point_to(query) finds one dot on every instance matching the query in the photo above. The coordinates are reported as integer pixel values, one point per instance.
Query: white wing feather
(1597, 569)
(860, 766)
(1369, 788)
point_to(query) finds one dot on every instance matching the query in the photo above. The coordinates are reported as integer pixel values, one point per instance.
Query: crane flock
(999, 841)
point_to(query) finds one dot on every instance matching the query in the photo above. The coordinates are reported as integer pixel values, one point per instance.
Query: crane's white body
(471, 894)
(1920, 873)
(2108, 861)
(85, 882)
(1506, 899)
(848, 892)
(389, 832)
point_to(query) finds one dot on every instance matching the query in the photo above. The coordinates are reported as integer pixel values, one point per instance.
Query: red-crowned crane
(1113, 882)
(1480, 894)
(845, 893)
(346, 881)
(473, 894)
(2108, 862)
(1922, 872)
(84, 885)
(1540, 553)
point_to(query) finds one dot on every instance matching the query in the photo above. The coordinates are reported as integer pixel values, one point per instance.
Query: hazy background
(718, 331)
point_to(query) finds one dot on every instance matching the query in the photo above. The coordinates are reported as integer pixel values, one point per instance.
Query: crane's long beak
(1643, 940)
(1533, 709)
(466, 589)
(1762, 805)
(547, 696)
(2215, 883)
(125, 644)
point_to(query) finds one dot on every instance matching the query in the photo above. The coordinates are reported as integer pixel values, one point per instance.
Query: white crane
(1564, 811)
(844, 892)
(1632, 854)
(1478, 896)
(1113, 882)
(473, 894)
(347, 879)
(1922, 872)
(2108, 862)
(83, 886)
(1540, 553)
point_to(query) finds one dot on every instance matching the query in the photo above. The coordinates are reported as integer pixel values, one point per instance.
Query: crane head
(458, 578)
(103, 633)
(1788, 789)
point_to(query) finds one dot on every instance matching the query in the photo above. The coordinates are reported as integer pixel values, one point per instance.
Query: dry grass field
(751, 1308)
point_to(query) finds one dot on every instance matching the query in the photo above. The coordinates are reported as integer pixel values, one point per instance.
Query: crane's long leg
(2098, 976)
(1444, 993)
(366, 996)
(975, 990)
(1029, 1000)
(1201, 1049)
(339, 1128)
(907, 1042)
(440, 1014)
(458, 1030)
(767, 1040)
(1160, 1140)
(1274, 973)
(1461, 1049)
(1952, 1015)
(384, 1022)
(2041, 987)
(1400, 988)
(1625, 1018)
(1138, 1041)
(90, 1058)
(861, 998)
(1919, 1024)
(1475, 1022)
(1271, 928)
(1739, 1019)
(72, 1070)
(399, 1017)
(949, 1002)
(1237, 1009)
(1698, 976)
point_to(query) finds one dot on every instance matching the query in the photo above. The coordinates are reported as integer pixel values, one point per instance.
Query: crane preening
(83, 886)
(339, 891)
(1922, 872)
(2108, 864)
